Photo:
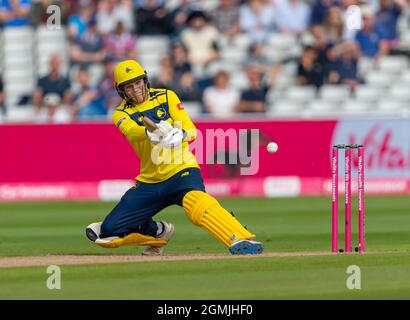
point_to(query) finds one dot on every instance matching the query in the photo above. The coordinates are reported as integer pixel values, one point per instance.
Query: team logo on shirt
(161, 113)
(180, 106)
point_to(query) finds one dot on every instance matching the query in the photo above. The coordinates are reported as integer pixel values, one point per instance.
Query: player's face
(136, 91)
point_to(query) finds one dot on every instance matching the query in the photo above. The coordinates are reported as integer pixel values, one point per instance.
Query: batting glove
(174, 138)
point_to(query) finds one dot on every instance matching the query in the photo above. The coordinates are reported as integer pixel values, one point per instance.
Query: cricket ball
(272, 147)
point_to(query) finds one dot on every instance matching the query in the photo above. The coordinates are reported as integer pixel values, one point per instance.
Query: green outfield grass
(284, 225)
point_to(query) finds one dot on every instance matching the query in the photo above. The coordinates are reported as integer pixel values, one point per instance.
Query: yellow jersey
(157, 164)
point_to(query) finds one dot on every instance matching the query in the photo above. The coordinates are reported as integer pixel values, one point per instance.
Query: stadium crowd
(104, 32)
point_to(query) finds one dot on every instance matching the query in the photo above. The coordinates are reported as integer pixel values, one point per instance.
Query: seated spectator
(106, 87)
(77, 23)
(165, 77)
(226, 17)
(88, 48)
(121, 45)
(387, 18)
(179, 57)
(371, 38)
(292, 16)
(176, 20)
(87, 102)
(150, 18)
(310, 71)
(38, 11)
(321, 45)
(200, 39)
(257, 57)
(334, 26)
(186, 87)
(220, 100)
(55, 111)
(345, 68)
(109, 12)
(15, 13)
(256, 19)
(52, 84)
(253, 99)
(319, 12)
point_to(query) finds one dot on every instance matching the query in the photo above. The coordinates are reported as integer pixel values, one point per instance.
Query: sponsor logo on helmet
(128, 70)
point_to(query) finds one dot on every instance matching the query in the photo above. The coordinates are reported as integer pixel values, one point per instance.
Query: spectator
(256, 18)
(200, 39)
(109, 12)
(106, 87)
(348, 33)
(186, 87)
(257, 57)
(165, 77)
(77, 23)
(150, 18)
(220, 100)
(310, 71)
(53, 84)
(15, 13)
(253, 99)
(87, 103)
(55, 111)
(371, 38)
(179, 57)
(319, 11)
(176, 20)
(88, 48)
(345, 70)
(38, 12)
(292, 16)
(334, 25)
(121, 45)
(321, 45)
(387, 18)
(72, 7)
(226, 17)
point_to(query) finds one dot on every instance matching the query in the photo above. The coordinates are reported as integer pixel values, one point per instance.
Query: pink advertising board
(94, 161)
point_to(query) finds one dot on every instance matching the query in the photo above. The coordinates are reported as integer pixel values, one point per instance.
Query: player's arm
(181, 117)
(131, 130)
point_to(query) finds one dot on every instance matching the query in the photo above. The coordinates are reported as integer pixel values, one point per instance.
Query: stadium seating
(25, 53)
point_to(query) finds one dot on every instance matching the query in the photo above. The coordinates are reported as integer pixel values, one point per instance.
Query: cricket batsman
(158, 128)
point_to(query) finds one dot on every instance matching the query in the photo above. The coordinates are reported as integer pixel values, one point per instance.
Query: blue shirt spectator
(52, 83)
(371, 38)
(14, 13)
(87, 102)
(256, 19)
(369, 42)
(387, 18)
(77, 23)
(89, 47)
(253, 99)
(292, 16)
(319, 11)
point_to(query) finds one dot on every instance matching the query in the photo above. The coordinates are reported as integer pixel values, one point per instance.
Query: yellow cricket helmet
(127, 72)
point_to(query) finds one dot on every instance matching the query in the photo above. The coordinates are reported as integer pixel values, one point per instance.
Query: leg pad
(206, 212)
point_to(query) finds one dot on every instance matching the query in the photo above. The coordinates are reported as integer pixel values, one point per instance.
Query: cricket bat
(149, 124)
